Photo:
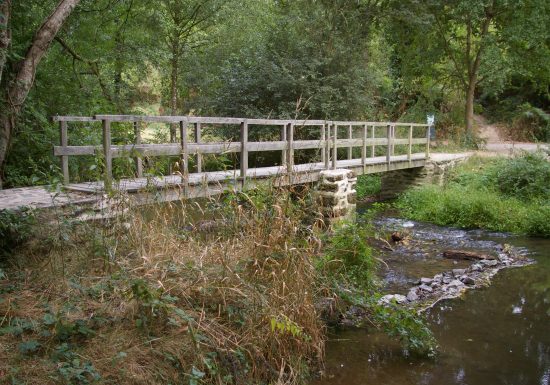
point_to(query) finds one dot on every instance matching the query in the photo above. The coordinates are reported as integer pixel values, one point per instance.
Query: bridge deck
(199, 184)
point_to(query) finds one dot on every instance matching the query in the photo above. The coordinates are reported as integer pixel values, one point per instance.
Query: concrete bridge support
(336, 194)
(434, 172)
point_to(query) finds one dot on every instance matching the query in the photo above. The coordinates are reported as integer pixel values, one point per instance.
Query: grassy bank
(157, 297)
(511, 195)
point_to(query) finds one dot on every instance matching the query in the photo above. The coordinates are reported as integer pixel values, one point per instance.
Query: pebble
(489, 262)
(425, 288)
(412, 296)
(426, 281)
(467, 280)
(458, 272)
(477, 267)
(456, 283)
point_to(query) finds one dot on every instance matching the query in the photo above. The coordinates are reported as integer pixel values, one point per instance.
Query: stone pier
(433, 172)
(336, 194)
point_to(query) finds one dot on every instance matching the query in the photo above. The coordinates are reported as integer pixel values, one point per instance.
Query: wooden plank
(73, 119)
(327, 147)
(244, 151)
(350, 137)
(323, 138)
(139, 163)
(64, 143)
(290, 139)
(108, 177)
(198, 141)
(184, 157)
(372, 149)
(388, 144)
(267, 146)
(364, 147)
(428, 142)
(334, 146)
(283, 138)
(409, 149)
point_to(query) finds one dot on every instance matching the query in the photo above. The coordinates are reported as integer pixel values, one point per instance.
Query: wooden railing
(329, 143)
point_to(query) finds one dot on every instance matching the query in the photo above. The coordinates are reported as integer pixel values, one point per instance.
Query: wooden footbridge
(365, 147)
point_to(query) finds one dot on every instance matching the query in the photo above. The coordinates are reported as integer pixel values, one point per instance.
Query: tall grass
(159, 296)
(511, 195)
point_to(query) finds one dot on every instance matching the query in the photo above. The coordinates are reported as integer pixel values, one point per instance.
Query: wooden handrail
(328, 143)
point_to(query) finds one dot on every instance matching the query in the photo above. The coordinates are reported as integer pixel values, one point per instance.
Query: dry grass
(149, 299)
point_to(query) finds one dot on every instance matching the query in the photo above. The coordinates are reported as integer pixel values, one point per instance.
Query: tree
(17, 89)
(183, 23)
(461, 40)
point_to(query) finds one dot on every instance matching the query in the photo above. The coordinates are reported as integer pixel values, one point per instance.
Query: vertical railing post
(372, 151)
(364, 148)
(334, 146)
(409, 151)
(327, 147)
(184, 157)
(290, 139)
(244, 151)
(285, 150)
(139, 163)
(108, 177)
(198, 141)
(350, 137)
(388, 143)
(428, 142)
(323, 139)
(392, 140)
(63, 135)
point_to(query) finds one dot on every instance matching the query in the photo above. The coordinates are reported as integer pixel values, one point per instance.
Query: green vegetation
(503, 195)
(233, 299)
(368, 185)
(349, 265)
(349, 60)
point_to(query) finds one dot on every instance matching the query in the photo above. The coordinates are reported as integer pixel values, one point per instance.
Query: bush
(525, 177)
(507, 195)
(15, 229)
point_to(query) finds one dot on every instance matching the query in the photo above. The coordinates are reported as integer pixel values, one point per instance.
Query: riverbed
(499, 334)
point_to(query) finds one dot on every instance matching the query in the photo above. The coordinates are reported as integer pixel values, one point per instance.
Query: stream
(499, 334)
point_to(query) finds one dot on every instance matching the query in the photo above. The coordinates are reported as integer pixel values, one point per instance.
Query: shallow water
(496, 335)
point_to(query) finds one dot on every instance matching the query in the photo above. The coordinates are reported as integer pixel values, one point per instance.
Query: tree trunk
(469, 112)
(18, 90)
(5, 36)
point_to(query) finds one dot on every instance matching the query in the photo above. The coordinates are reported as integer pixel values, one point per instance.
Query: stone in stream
(467, 280)
(458, 272)
(412, 296)
(389, 298)
(489, 262)
(424, 287)
(426, 281)
(456, 283)
(446, 280)
(477, 267)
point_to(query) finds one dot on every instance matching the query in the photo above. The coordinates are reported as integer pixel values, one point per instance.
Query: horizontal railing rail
(329, 141)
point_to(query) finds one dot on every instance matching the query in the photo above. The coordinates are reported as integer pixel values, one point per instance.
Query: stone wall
(336, 194)
(434, 172)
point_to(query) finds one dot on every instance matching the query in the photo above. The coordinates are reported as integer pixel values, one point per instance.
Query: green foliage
(348, 257)
(368, 185)
(15, 229)
(509, 195)
(526, 177)
(406, 325)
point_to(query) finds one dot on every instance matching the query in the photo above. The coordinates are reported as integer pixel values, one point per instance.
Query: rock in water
(412, 296)
(468, 255)
(467, 280)
(397, 236)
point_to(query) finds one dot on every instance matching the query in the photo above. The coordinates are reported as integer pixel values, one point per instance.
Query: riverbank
(508, 195)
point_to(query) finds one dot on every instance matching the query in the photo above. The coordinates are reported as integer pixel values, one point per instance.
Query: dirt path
(497, 144)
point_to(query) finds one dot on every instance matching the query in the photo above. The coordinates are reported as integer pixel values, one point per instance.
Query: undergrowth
(157, 296)
(511, 195)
